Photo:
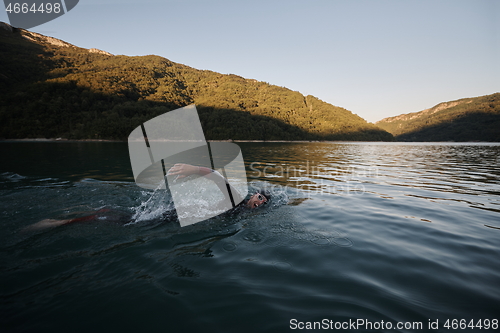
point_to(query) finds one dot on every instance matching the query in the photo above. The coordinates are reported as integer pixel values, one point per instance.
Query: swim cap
(265, 193)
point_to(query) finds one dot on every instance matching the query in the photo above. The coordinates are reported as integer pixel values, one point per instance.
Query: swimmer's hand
(183, 170)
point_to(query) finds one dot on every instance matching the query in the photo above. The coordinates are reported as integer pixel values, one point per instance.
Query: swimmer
(181, 171)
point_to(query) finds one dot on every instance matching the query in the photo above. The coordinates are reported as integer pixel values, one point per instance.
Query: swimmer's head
(259, 198)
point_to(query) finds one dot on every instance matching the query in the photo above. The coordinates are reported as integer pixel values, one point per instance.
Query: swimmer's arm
(184, 170)
(222, 183)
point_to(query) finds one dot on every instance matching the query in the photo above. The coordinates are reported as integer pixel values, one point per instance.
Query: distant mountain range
(50, 88)
(467, 119)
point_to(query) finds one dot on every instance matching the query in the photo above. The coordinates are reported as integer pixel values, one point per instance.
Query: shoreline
(261, 141)
(107, 140)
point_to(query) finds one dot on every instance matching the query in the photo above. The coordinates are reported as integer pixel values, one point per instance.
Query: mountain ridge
(465, 119)
(56, 89)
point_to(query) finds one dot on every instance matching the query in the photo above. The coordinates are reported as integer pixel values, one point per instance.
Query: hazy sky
(375, 58)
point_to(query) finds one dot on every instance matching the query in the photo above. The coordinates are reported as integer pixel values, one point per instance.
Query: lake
(391, 237)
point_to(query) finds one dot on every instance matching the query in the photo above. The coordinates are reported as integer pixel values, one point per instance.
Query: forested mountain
(468, 119)
(50, 88)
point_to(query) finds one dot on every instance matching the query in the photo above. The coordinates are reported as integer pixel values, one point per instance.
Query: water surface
(375, 231)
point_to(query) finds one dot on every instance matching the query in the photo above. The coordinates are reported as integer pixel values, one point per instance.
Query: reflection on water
(374, 231)
(454, 168)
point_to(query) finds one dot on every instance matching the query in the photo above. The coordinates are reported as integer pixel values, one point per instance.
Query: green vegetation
(51, 90)
(468, 119)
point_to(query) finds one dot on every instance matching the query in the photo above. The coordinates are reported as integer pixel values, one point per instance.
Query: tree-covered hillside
(49, 88)
(468, 119)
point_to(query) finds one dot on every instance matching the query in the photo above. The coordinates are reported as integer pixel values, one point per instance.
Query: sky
(376, 58)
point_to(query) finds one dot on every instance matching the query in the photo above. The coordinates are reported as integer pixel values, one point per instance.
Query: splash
(160, 203)
(154, 207)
